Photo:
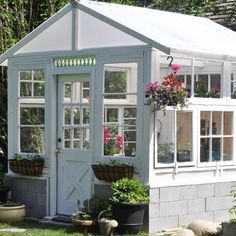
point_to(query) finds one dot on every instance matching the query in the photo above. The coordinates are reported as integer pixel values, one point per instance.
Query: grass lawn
(34, 228)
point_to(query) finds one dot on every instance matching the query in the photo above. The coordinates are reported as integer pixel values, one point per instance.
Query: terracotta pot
(12, 213)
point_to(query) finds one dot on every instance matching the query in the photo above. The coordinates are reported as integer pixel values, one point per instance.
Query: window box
(27, 166)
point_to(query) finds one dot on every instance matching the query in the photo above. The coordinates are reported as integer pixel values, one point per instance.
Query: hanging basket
(112, 173)
(24, 167)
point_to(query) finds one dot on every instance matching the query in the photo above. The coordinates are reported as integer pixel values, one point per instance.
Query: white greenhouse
(86, 68)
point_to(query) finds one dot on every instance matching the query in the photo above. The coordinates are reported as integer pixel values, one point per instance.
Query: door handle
(58, 150)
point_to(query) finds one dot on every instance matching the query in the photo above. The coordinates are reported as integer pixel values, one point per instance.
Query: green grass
(34, 228)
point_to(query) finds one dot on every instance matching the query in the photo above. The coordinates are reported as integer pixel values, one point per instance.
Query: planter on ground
(129, 216)
(12, 213)
(129, 198)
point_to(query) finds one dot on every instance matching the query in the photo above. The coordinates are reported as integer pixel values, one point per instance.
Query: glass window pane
(115, 82)
(67, 115)
(233, 90)
(129, 149)
(113, 142)
(111, 115)
(25, 89)
(216, 149)
(216, 123)
(67, 90)
(85, 138)
(201, 86)
(76, 144)
(39, 89)
(204, 122)
(165, 137)
(130, 135)
(25, 75)
(85, 115)
(86, 93)
(204, 149)
(228, 123)
(165, 153)
(215, 86)
(76, 112)
(76, 133)
(228, 149)
(129, 112)
(32, 116)
(32, 139)
(76, 93)
(38, 75)
(67, 134)
(184, 136)
(67, 144)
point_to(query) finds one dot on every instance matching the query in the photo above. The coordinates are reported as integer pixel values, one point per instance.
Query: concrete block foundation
(31, 192)
(177, 206)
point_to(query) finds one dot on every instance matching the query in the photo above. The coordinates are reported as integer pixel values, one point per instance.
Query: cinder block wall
(177, 206)
(31, 192)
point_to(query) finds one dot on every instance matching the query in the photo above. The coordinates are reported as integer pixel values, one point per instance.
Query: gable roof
(166, 31)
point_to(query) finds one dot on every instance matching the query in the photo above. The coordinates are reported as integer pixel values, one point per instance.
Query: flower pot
(129, 216)
(25, 167)
(229, 229)
(12, 213)
(83, 225)
(112, 173)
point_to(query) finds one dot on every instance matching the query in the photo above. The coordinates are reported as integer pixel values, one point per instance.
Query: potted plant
(129, 198)
(12, 211)
(166, 153)
(113, 170)
(87, 214)
(31, 164)
(184, 153)
(171, 92)
(229, 228)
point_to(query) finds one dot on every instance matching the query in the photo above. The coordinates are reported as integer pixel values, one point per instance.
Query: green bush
(128, 190)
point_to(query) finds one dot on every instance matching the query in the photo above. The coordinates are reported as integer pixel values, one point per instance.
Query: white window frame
(30, 101)
(214, 163)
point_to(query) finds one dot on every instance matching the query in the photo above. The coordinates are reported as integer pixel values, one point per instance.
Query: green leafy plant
(232, 210)
(10, 204)
(200, 89)
(165, 149)
(114, 163)
(90, 208)
(128, 190)
(28, 157)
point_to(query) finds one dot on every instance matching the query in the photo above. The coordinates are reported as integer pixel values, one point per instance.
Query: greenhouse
(82, 75)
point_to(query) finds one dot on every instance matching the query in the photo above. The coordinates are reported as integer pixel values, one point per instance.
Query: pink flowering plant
(112, 143)
(171, 92)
